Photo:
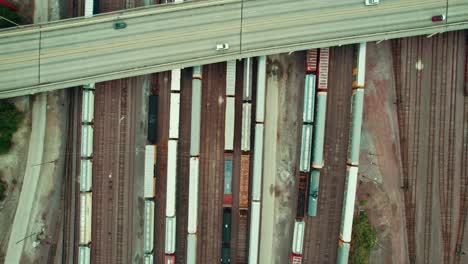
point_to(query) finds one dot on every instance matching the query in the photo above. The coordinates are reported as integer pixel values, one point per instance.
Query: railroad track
(68, 194)
(120, 245)
(464, 179)
(464, 188)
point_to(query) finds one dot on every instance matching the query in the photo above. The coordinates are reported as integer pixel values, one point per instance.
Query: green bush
(364, 239)
(2, 190)
(10, 15)
(10, 118)
(363, 202)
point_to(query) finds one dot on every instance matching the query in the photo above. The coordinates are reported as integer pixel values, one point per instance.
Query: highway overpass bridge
(77, 51)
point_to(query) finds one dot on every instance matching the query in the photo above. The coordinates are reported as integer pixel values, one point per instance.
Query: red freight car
(311, 61)
(323, 69)
(10, 6)
(302, 195)
(296, 259)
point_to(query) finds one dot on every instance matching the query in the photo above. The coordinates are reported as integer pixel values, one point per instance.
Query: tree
(10, 118)
(364, 239)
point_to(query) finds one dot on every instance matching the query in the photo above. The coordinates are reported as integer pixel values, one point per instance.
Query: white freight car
(175, 80)
(86, 141)
(148, 226)
(86, 178)
(247, 91)
(246, 126)
(148, 259)
(84, 255)
(306, 148)
(170, 241)
(229, 124)
(348, 204)
(254, 232)
(191, 249)
(171, 178)
(257, 163)
(231, 78)
(89, 8)
(298, 237)
(87, 106)
(195, 118)
(150, 161)
(261, 87)
(85, 218)
(197, 72)
(193, 196)
(359, 71)
(174, 116)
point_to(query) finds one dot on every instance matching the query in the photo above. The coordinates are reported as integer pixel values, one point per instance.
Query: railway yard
(177, 166)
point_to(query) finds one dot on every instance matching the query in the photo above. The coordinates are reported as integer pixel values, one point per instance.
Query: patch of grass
(364, 239)
(10, 118)
(363, 202)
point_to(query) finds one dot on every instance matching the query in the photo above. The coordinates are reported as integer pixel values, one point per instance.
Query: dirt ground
(46, 215)
(380, 164)
(12, 168)
(285, 82)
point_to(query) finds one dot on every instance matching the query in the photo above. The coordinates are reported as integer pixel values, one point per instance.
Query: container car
(247, 91)
(311, 61)
(302, 195)
(323, 68)
(195, 118)
(227, 198)
(87, 111)
(246, 126)
(148, 226)
(319, 130)
(313, 192)
(226, 236)
(231, 78)
(244, 185)
(170, 239)
(359, 69)
(174, 116)
(347, 214)
(175, 80)
(85, 218)
(150, 162)
(254, 232)
(191, 249)
(357, 109)
(86, 175)
(309, 99)
(296, 259)
(306, 148)
(171, 178)
(229, 124)
(298, 237)
(197, 72)
(86, 141)
(226, 233)
(152, 118)
(261, 87)
(84, 255)
(257, 163)
(193, 196)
